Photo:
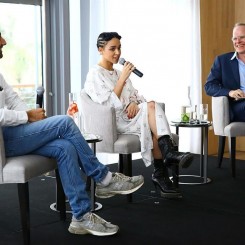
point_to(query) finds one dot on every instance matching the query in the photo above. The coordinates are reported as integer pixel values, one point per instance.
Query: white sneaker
(92, 224)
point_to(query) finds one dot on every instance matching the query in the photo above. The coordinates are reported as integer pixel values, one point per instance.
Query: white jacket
(12, 108)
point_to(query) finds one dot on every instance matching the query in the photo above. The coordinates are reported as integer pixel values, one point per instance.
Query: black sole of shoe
(166, 194)
(186, 161)
(171, 195)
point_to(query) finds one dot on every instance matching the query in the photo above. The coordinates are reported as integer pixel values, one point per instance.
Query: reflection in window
(21, 65)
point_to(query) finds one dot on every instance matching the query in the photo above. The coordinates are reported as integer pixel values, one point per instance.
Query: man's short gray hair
(239, 24)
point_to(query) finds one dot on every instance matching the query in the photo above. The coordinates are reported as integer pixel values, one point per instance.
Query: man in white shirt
(59, 137)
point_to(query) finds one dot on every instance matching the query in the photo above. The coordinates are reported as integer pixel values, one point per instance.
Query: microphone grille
(122, 61)
(40, 90)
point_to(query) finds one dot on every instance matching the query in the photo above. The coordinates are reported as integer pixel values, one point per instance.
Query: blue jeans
(59, 137)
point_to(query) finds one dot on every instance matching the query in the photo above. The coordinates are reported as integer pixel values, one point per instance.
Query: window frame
(56, 54)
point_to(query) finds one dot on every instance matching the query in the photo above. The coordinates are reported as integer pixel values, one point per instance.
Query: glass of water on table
(203, 112)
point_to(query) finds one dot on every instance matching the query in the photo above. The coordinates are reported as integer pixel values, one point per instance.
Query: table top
(198, 124)
(92, 138)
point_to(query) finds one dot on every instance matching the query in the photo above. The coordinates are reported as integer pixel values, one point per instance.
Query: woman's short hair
(105, 37)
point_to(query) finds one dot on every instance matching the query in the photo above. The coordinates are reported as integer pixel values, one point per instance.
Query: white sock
(107, 179)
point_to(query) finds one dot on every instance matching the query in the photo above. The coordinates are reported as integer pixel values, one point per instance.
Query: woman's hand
(72, 109)
(36, 115)
(132, 110)
(237, 94)
(126, 71)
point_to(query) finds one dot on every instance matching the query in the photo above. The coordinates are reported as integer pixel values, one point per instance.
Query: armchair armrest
(2, 155)
(99, 119)
(220, 114)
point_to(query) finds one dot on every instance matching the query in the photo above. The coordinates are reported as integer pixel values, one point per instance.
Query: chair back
(220, 114)
(99, 119)
(2, 156)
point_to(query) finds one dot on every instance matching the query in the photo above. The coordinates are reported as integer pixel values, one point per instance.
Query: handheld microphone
(39, 100)
(135, 71)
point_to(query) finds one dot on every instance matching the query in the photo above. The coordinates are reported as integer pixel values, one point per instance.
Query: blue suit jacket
(223, 77)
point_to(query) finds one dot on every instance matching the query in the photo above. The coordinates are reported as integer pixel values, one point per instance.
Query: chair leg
(60, 197)
(23, 193)
(232, 150)
(88, 183)
(221, 149)
(125, 167)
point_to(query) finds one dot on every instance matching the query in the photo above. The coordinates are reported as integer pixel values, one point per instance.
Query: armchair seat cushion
(235, 129)
(126, 144)
(23, 168)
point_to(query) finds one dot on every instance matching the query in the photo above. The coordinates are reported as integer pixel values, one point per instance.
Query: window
(162, 39)
(20, 25)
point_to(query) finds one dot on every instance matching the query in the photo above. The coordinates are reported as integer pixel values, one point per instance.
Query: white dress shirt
(12, 108)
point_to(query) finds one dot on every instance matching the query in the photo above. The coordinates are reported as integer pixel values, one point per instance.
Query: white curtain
(162, 39)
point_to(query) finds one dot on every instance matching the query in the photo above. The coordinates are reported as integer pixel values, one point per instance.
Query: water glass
(193, 116)
(72, 98)
(185, 114)
(73, 108)
(203, 112)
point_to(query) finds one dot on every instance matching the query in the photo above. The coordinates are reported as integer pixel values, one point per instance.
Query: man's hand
(132, 110)
(36, 115)
(237, 94)
(72, 109)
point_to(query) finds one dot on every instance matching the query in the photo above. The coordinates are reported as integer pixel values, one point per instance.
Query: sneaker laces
(120, 177)
(93, 218)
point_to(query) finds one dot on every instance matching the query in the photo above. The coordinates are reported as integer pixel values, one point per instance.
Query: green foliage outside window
(21, 65)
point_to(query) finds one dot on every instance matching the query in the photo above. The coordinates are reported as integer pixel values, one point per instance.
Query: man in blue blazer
(227, 75)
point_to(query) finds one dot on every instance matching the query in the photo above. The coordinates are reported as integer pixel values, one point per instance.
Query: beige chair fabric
(101, 120)
(20, 170)
(224, 128)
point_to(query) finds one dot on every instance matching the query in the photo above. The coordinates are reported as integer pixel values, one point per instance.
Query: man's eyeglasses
(241, 38)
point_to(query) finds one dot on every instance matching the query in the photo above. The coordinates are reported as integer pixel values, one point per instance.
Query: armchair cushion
(23, 168)
(235, 129)
(101, 121)
(20, 169)
(220, 114)
(221, 119)
(127, 143)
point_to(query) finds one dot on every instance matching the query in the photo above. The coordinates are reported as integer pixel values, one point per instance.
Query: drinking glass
(73, 108)
(203, 112)
(72, 98)
(193, 116)
(185, 114)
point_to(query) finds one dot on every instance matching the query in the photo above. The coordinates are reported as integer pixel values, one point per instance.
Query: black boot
(160, 178)
(171, 156)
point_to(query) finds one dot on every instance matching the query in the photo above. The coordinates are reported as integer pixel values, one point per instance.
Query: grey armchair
(101, 120)
(20, 170)
(224, 128)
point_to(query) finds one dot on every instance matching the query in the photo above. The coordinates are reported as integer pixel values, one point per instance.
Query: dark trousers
(237, 110)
